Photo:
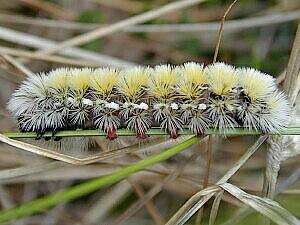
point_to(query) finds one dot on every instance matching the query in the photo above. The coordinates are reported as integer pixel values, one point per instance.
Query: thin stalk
(221, 31)
(77, 191)
(153, 131)
(208, 158)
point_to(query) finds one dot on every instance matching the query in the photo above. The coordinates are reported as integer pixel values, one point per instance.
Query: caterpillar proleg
(170, 97)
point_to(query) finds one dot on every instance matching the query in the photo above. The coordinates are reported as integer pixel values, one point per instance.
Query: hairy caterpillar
(171, 97)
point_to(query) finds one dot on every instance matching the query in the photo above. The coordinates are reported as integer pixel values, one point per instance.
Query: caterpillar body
(170, 97)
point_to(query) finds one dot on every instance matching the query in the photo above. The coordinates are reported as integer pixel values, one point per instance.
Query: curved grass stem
(41, 204)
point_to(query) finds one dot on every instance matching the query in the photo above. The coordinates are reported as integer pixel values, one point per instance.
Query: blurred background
(258, 33)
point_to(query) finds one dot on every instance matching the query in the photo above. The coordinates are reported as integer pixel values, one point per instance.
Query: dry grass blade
(237, 25)
(265, 206)
(208, 160)
(41, 43)
(101, 32)
(26, 170)
(197, 200)
(153, 211)
(55, 59)
(276, 144)
(193, 205)
(215, 208)
(90, 159)
(292, 78)
(18, 65)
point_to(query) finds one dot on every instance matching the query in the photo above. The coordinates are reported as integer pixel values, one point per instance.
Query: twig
(153, 131)
(221, 31)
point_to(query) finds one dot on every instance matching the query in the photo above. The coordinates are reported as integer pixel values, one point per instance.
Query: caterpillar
(191, 95)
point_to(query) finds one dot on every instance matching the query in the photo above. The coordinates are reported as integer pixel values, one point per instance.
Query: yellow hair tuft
(133, 81)
(256, 84)
(221, 78)
(80, 78)
(58, 78)
(191, 79)
(104, 80)
(162, 82)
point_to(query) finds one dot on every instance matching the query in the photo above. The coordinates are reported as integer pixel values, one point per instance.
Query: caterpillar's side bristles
(138, 98)
(135, 111)
(223, 82)
(256, 89)
(275, 115)
(103, 95)
(192, 86)
(166, 110)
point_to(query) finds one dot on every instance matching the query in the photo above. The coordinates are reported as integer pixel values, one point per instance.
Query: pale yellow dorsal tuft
(191, 79)
(104, 80)
(256, 84)
(162, 82)
(221, 78)
(58, 78)
(80, 78)
(133, 81)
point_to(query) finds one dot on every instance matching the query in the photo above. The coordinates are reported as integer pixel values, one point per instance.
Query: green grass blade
(153, 131)
(41, 204)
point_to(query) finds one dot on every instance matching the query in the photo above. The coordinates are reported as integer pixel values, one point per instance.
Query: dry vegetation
(169, 180)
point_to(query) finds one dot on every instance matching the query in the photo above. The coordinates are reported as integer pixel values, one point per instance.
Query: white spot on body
(202, 106)
(143, 106)
(174, 106)
(86, 101)
(112, 105)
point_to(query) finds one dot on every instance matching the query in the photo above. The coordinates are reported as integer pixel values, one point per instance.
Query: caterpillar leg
(39, 135)
(55, 138)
